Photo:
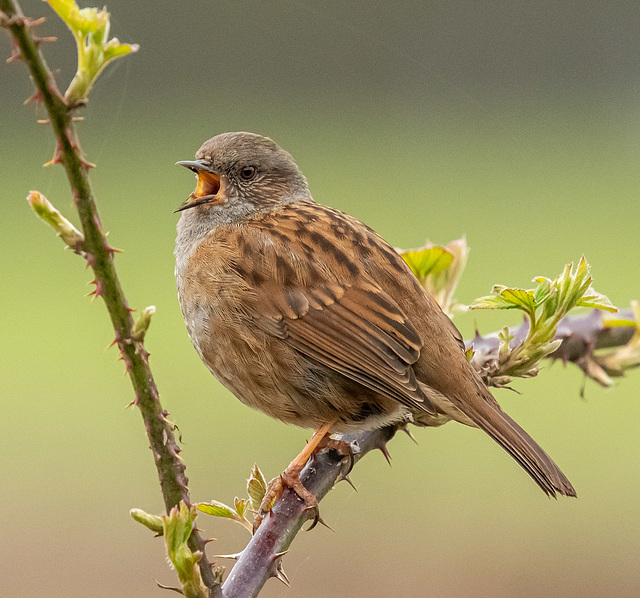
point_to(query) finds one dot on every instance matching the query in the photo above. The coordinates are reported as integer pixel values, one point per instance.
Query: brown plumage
(307, 314)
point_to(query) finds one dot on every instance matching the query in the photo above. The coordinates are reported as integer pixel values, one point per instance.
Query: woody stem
(171, 469)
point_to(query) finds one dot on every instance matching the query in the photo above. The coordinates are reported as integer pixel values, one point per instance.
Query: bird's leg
(290, 478)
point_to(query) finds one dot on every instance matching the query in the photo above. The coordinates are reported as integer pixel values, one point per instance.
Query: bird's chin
(205, 200)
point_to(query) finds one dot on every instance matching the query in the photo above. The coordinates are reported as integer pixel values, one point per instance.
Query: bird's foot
(287, 479)
(342, 447)
(290, 478)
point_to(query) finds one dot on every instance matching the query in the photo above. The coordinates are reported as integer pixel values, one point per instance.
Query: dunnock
(310, 316)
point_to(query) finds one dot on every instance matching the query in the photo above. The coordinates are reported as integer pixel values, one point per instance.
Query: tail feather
(463, 396)
(526, 451)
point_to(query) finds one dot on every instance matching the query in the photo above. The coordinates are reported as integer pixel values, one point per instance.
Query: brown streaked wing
(362, 335)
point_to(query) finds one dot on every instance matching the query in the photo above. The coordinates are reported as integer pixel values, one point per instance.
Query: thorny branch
(99, 256)
(261, 559)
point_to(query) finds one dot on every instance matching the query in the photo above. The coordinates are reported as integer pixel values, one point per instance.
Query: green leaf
(611, 322)
(597, 301)
(65, 230)
(90, 28)
(428, 260)
(177, 527)
(439, 269)
(546, 305)
(153, 522)
(542, 291)
(505, 339)
(520, 298)
(492, 302)
(218, 509)
(241, 506)
(142, 323)
(256, 488)
(507, 298)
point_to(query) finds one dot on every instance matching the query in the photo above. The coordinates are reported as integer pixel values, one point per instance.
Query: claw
(342, 447)
(317, 519)
(290, 478)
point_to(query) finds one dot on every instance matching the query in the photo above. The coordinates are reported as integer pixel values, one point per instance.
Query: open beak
(207, 187)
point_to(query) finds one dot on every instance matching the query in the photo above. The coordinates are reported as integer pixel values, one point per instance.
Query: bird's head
(241, 173)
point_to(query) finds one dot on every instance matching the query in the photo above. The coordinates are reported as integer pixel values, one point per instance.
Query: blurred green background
(515, 123)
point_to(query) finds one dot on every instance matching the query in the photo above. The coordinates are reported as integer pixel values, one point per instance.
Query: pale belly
(266, 374)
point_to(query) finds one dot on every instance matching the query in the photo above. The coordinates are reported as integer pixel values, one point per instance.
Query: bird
(308, 315)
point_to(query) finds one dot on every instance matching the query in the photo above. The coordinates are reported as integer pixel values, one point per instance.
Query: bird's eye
(247, 172)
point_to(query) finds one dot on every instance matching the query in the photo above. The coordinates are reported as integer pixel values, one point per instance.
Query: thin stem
(160, 431)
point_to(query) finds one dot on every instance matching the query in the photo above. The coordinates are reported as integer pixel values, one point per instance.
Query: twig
(578, 334)
(99, 255)
(262, 557)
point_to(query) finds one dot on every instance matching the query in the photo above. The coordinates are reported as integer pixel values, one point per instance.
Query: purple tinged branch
(277, 531)
(579, 334)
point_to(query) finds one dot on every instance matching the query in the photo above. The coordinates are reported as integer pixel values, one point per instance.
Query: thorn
(56, 157)
(321, 521)
(41, 40)
(282, 576)
(14, 20)
(52, 162)
(405, 428)
(163, 587)
(98, 291)
(87, 164)
(317, 519)
(163, 418)
(174, 451)
(43, 121)
(33, 22)
(209, 540)
(235, 556)
(36, 97)
(583, 388)
(383, 449)
(112, 250)
(346, 478)
(15, 54)
(280, 554)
